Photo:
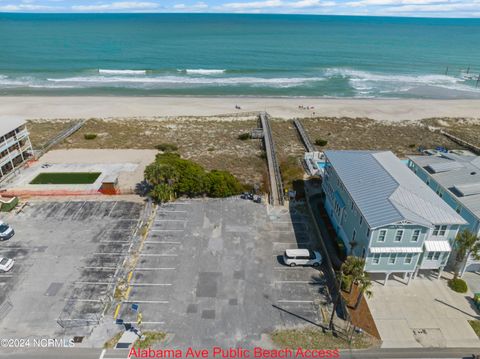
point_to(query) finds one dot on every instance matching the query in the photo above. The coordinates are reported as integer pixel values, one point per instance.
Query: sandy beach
(106, 107)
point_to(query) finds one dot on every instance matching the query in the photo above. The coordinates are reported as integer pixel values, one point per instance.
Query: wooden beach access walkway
(275, 179)
(303, 136)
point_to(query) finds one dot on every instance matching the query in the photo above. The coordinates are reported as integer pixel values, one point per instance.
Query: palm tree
(466, 244)
(353, 267)
(365, 285)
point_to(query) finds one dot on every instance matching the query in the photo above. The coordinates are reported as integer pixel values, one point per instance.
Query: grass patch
(90, 136)
(66, 178)
(313, 338)
(476, 326)
(110, 343)
(148, 339)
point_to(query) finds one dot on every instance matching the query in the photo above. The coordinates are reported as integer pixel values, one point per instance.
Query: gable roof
(387, 192)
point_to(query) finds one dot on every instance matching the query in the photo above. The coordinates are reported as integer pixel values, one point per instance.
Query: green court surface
(66, 178)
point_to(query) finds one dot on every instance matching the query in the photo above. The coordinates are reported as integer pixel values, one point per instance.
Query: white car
(6, 264)
(6, 232)
(302, 257)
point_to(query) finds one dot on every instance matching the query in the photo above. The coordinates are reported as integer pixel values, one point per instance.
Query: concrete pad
(426, 312)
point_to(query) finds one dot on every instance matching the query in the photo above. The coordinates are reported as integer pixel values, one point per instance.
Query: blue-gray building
(455, 177)
(386, 214)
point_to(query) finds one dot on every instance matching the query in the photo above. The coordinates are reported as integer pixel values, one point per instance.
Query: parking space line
(84, 300)
(102, 354)
(161, 242)
(144, 323)
(78, 210)
(297, 282)
(294, 301)
(101, 268)
(109, 254)
(158, 255)
(169, 220)
(167, 230)
(109, 213)
(166, 211)
(127, 242)
(95, 283)
(152, 269)
(150, 284)
(147, 301)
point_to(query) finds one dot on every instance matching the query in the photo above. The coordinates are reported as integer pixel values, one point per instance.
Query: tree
(353, 267)
(162, 193)
(172, 175)
(466, 244)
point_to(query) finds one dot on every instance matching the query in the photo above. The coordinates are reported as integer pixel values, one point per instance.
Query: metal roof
(386, 192)
(462, 182)
(9, 123)
(437, 246)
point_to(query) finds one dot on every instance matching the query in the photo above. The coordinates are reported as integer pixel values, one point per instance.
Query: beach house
(455, 177)
(15, 145)
(385, 214)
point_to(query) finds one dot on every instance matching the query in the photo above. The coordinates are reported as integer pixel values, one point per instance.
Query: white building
(15, 145)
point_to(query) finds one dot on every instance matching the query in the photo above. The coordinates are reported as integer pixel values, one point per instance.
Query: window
(399, 235)
(435, 230)
(381, 235)
(442, 230)
(415, 235)
(376, 258)
(428, 182)
(408, 258)
(361, 220)
(436, 256)
(458, 209)
(430, 255)
(368, 232)
(354, 235)
(393, 258)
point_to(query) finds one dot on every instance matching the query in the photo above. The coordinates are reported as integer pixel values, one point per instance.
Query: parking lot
(210, 273)
(67, 255)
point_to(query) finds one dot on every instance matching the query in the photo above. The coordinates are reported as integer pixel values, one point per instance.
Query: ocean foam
(364, 82)
(179, 81)
(122, 72)
(203, 71)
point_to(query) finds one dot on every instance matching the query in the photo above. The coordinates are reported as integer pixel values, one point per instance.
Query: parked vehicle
(244, 195)
(6, 232)
(6, 264)
(302, 257)
(257, 199)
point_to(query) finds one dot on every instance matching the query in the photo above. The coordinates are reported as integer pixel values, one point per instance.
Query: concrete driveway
(426, 313)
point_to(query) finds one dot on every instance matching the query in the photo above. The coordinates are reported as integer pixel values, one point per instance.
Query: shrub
(223, 184)
(167, 147)
(458, 285)
(347, 283)
(412, 145)
(171, 176)
(321, 142)
(90, 136)
(244, 136)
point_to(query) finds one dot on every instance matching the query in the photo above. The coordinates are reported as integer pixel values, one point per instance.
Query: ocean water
(246, 55)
